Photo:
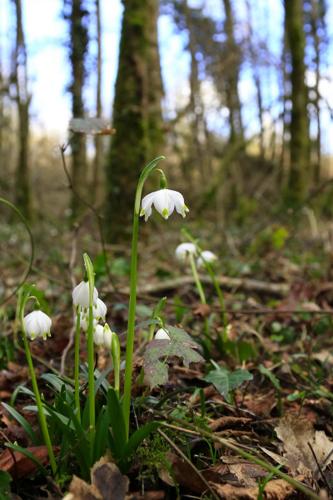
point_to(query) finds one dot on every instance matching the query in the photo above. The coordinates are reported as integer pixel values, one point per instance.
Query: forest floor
(269, 400)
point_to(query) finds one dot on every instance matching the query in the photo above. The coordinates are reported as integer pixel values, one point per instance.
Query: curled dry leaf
(297, 434)
(274, 490)
(107, 483)
(19, 465)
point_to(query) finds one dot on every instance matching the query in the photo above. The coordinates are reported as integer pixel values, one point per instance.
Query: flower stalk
(77, 363)
(41, 415)
(133, 286)
(90, 349)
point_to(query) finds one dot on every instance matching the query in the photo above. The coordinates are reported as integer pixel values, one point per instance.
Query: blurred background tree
(245, 126)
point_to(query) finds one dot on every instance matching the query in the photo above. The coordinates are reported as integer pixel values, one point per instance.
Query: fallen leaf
(296, 434)
(107, 483)
(202, 310)
(276, 489)
(19, 465)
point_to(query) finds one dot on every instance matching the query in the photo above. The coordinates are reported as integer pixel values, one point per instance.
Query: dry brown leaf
(202, 310)
(19, 465)
(107, 483)
(296, 434)
(274, 490)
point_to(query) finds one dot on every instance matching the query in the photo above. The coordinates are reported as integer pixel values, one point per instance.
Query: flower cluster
(102, 333)
(185, 250)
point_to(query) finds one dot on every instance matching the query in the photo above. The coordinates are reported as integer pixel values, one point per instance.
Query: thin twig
(184, 457)
(320, 470)
(93, 209)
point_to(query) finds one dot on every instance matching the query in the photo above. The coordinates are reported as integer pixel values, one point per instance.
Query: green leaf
(158, 351)
(5, 480)
(23, 422)
(116, 419)
(138, 436)
(102, 429)
(225, 381)
(270, 375)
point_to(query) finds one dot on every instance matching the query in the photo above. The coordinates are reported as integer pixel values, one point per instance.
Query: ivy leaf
(158, 351)
(225, 381)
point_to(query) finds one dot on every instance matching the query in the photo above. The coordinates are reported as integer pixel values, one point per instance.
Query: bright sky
(46, 34)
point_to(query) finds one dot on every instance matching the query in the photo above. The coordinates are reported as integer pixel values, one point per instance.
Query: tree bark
(136, 111)
(20, 81)
(98, 140)
(232, 77)
(78, 49)
(299, 127)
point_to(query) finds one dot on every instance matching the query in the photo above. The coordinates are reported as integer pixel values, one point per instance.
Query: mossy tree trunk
(98, 139)
(136, 112)
(299, 126)
(22, 97)
(232, 76)
(77, 15)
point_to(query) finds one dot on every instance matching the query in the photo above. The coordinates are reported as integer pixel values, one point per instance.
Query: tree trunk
(299, 127)
(98, 140)
(232, 76)
(136, 111)
(20, 81)
(78, 48)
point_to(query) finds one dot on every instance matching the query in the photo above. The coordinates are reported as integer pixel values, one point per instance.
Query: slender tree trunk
(20, 81)
(78, 48)
(136, 111)
(196, 104)
(299, 129)
(98, 140)
(232, 77)
(256, 78)
(317, 61)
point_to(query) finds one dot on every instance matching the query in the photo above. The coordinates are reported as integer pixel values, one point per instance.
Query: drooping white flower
(99, 335)
(165, 201)
(206, 257)
(37, 324)
(84, 320)
(108, 335)
(162, 334)
(99, 310)
(183, 251)
(80, 295)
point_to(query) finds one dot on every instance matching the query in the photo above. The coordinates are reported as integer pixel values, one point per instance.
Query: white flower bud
(99, 335)
(37, 324)
(183, 251)
(80, 295)
(165, 201)
(162, 334)
(206, 257)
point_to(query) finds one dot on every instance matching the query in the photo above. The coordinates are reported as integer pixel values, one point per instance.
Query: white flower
(183, 251)
(162, 334)
(206, 257)
(99, 310)
(84, 321)
(165, 201)
(99, 335)
(80, 294)
(108, 335)
(37, 324)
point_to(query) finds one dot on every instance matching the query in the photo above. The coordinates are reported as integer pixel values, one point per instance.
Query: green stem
(197, 279)
(91, 352)
(115, 353)
(133, 284)
(41, 415)
(77, 364)
(131, 324)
